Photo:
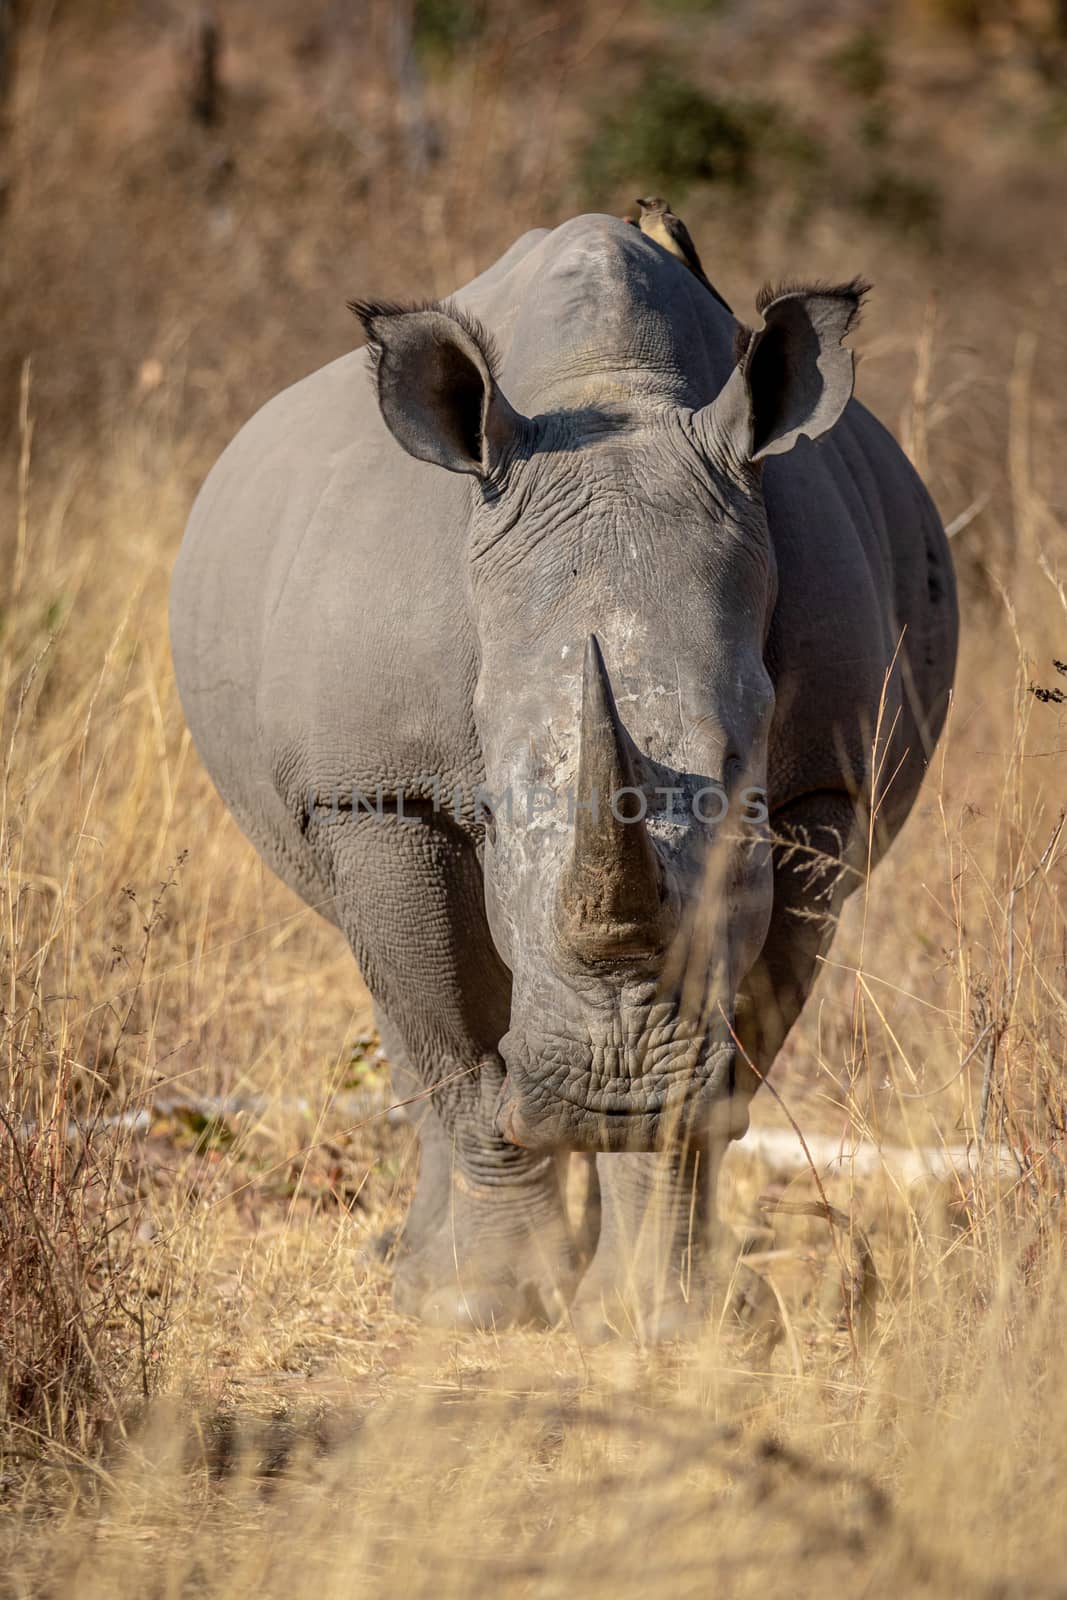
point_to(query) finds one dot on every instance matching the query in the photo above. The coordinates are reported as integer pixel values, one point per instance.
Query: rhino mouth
(541, 1109)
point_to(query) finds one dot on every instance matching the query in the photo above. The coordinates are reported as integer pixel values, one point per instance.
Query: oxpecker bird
(659, 222)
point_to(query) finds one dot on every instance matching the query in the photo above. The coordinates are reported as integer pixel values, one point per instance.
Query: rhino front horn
(612, 897)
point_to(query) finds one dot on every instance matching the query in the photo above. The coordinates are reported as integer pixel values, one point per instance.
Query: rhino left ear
(434, 367)
(792, 376)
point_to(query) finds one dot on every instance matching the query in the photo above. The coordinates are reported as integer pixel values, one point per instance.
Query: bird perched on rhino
(657, 221)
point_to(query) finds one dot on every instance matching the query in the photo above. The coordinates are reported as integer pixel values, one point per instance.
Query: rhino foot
(657, 1308)
(493, 1262)
(646, 1312)
(483, 1307)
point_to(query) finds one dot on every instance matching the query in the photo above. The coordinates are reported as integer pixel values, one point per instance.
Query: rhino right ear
(435, 373)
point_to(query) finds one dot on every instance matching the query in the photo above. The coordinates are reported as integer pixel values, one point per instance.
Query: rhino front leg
(488, 1241)
(477, 1248)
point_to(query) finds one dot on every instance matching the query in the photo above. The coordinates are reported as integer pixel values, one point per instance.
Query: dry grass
(205, 1389)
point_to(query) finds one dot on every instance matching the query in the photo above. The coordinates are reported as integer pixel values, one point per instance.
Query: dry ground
(206, 1389)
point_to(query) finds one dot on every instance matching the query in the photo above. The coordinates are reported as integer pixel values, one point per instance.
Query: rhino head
(621, 587)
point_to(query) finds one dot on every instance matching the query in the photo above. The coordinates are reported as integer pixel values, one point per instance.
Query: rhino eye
(489, 824)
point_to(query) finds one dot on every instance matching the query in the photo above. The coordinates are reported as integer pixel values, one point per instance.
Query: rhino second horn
(612, 896)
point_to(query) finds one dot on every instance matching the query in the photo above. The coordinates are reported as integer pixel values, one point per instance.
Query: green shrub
(670, 134)
(441, 27)
(874, 128)
(861, 64)
(905, 204)
(690, 7)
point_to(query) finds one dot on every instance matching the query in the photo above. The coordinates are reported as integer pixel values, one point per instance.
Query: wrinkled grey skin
(618, 560)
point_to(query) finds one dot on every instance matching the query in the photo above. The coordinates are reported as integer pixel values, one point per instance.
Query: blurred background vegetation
(191, 192)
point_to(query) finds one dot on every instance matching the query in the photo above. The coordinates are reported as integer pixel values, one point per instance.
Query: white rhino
(540, 647)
